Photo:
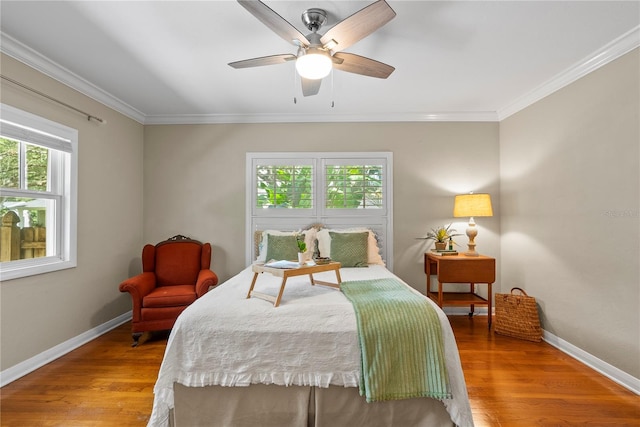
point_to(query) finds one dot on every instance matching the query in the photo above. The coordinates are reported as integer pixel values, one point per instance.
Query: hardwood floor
(510, 383)
(520, 383)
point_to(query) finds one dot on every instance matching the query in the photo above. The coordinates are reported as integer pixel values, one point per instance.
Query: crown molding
(470, 116)
(618, 47)
(30, 57)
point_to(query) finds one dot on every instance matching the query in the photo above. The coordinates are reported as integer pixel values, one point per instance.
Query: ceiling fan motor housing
(314, 18)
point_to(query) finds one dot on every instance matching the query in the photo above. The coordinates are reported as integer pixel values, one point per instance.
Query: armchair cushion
(170, 296)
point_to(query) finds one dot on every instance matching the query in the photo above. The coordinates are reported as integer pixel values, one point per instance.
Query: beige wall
(194, 180)
(40, 312)
(570, 190)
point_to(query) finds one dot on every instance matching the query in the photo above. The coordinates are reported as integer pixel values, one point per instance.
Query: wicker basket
(517, 316)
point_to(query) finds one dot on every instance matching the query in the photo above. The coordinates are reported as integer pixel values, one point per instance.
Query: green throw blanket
(400, 340)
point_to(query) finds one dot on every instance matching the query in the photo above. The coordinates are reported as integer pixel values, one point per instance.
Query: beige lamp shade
(468, 205)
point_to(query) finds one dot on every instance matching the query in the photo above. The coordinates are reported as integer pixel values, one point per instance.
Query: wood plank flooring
(510, 382)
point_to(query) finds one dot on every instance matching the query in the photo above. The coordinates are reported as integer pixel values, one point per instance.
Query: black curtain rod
(89, 116)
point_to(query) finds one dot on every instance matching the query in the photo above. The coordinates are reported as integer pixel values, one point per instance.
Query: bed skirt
(299, 406)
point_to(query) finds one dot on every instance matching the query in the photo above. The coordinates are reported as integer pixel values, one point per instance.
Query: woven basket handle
(520, 290)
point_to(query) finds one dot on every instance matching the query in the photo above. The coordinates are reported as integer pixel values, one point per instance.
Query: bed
(237, 361)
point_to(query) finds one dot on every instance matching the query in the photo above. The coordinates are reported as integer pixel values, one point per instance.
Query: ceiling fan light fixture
(315, 64)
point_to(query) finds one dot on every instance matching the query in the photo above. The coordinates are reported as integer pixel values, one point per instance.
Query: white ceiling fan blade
(264, 60)
(358, 26)
(357, 64)
(310, 87)
(275, 22)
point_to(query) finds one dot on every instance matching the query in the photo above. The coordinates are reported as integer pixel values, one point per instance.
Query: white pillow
(373, 251)
(309, 239)
(310, 236)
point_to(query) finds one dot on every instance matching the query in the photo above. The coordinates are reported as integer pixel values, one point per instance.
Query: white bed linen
(309, 340)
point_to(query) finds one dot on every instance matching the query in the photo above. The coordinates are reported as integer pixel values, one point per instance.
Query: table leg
(440, 295)
(338, 277)
(253, 283)
(472, 289)
(284, 282)
(489, 304)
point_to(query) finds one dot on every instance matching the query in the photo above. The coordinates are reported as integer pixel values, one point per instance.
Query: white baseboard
(23, 368)
(625, 380)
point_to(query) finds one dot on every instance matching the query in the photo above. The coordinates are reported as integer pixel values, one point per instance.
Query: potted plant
(302, 248)
(440, 235)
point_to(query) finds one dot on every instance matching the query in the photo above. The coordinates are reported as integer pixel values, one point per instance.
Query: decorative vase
(441, 246)
(301, 257)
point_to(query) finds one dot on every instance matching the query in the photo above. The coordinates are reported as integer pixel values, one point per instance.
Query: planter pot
(441, 246)
(302, 257)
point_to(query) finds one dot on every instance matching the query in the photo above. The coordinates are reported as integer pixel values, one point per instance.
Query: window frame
(63, 144)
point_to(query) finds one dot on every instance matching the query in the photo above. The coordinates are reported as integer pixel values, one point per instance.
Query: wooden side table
(285, 273)
(460, 269)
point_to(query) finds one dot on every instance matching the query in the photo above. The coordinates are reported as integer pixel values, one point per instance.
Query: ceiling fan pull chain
(332, 100)
(295, 100)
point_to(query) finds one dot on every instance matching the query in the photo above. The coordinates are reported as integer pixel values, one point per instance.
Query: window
(289, 191)
(38, 174)
(354, 185)
(287, 186)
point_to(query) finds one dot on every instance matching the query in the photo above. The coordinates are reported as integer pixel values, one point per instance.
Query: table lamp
(472, 205)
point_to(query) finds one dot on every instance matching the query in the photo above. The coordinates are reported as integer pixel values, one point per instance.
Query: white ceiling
(166, 61)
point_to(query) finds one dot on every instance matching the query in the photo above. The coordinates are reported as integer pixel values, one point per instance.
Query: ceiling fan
(319, 53)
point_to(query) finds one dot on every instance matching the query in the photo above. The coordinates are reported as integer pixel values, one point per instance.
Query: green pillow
(350, 249)
(281, 248)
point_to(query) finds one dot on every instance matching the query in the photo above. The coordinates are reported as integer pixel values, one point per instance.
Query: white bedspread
(309, 340)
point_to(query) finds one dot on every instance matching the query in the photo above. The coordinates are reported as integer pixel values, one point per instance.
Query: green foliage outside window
(9, 163)
(354, 187)
(284, 187)
(37, 167)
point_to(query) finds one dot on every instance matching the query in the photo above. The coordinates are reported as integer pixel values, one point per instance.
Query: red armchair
(174, 274)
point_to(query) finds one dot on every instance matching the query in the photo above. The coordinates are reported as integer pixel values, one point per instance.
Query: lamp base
(472, 232)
